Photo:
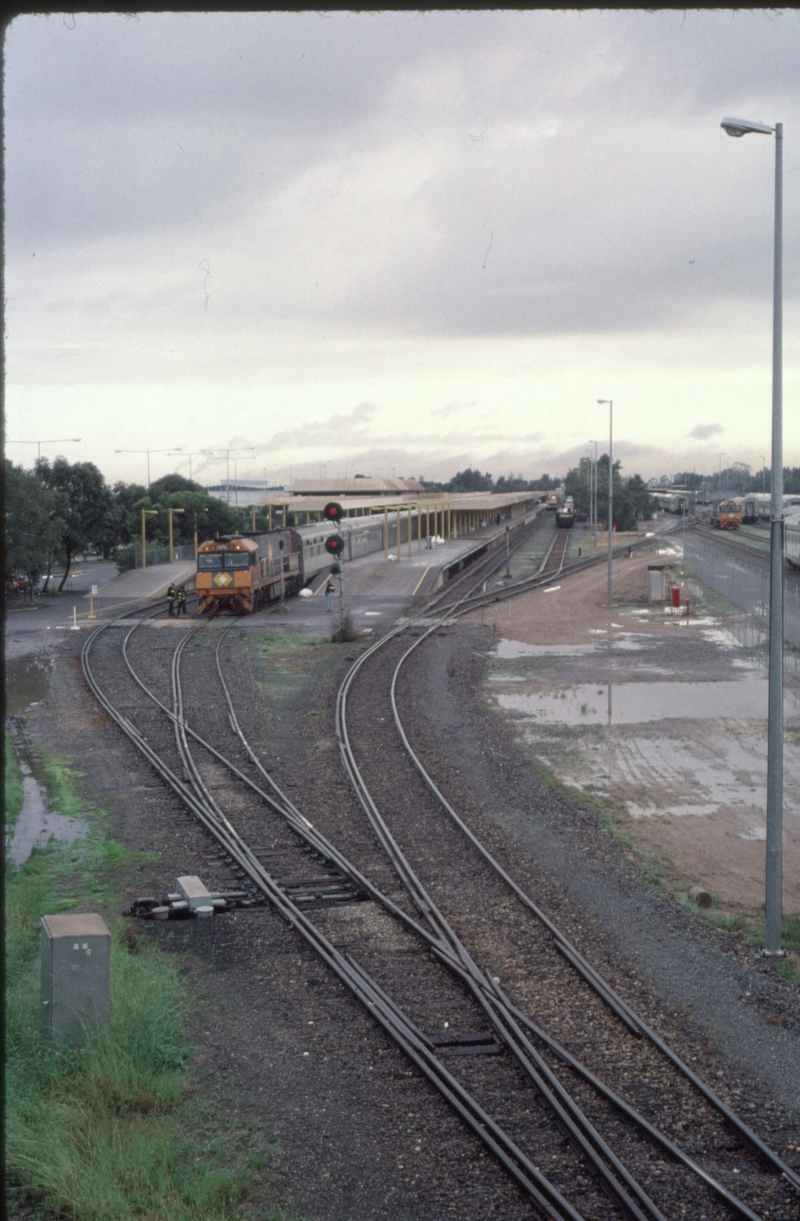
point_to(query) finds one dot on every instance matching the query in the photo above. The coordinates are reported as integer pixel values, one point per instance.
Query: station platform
(142, 584)
(376, 591)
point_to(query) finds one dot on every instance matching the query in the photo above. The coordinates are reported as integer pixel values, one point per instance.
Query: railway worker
(172, 595)
(181, 600)
(330, 590)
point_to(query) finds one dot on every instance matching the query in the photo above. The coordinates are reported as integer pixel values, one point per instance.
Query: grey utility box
(76, 978)
(657, 581)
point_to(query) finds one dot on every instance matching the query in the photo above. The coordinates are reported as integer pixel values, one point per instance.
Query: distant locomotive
(565, 515)
(728, 515)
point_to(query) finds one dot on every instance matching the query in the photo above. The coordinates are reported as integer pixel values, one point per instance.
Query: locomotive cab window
(240, 559)
(209, 562)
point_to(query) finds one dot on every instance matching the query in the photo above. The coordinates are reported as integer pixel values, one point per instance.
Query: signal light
(335, 570)
(333, 511)
(335, 544)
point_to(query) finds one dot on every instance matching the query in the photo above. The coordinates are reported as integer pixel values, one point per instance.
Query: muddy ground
(359, 1135)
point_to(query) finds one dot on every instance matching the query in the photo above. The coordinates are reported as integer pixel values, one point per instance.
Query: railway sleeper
(481, 1044)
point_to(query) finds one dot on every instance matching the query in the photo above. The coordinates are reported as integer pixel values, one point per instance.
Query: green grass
(112, 1131)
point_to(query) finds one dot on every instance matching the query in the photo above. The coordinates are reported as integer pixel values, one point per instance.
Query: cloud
(703, 431)
(350, 428)
(443, 413)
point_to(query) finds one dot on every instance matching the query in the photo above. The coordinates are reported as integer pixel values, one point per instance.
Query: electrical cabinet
(76, 977)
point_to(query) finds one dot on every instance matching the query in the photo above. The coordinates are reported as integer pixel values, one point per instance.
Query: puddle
(26, 682)
(37, 824)
(510, 649)
(638, 703)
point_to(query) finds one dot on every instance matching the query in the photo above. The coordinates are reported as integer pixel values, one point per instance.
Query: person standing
(181, 600)
(330, 590)
(171, 598)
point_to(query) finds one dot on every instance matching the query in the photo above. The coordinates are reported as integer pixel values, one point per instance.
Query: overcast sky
(398, 242)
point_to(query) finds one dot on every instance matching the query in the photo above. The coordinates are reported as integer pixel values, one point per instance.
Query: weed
(109, 1131)
(346, 630)
(12, 788)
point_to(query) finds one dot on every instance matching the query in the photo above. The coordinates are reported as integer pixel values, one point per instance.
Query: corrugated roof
(353, 487)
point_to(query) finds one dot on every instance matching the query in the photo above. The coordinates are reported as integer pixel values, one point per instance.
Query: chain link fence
(742, 576)
(131, 557)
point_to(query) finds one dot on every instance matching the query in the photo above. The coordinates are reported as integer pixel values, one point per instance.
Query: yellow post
(169, 515)
(419, 530)
(270, 517)
(146, 513)
(386, 536)
(253, 507)
(409, 533)
(397, 515)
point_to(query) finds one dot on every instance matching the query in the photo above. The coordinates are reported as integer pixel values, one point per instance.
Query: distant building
(243, 491)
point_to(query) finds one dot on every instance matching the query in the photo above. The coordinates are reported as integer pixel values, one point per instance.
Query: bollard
(76, 978)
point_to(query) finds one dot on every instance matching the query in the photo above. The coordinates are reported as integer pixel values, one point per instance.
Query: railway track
(587, 1135)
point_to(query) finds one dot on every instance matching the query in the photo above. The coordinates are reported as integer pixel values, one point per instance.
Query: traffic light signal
(335, 569)
(335, 544)
(333, 511)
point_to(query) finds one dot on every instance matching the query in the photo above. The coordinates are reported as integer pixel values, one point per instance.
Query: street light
(145, 514)
(774, 862)
(610, 487)
(168, 450)
(719, 489)
(50, 441)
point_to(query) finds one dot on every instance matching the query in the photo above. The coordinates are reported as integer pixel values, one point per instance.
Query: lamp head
(604, 400)
(740, 127)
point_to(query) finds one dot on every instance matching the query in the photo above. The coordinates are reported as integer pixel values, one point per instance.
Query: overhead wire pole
(774, 857)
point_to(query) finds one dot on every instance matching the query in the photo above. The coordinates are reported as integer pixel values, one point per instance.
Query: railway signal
(333, 512)
(334, 545)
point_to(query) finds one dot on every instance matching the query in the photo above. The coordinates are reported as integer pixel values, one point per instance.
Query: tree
(632, 501)
(83, 505)
(470, 481)
(30, 534)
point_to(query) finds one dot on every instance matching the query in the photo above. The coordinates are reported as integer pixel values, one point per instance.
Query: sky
(388, 243)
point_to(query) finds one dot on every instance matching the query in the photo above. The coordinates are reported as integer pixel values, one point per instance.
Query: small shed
(657, 580)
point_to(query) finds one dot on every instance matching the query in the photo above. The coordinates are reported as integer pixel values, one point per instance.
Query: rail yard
(425, 1015)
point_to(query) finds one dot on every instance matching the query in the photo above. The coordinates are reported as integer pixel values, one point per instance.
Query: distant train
(565, 514)
(237, 574)
(727, 515)
(553, 502)
(673, 502)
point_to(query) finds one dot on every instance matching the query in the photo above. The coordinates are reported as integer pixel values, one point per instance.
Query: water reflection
(639, 702)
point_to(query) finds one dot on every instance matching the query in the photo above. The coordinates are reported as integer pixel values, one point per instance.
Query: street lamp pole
(610, 489)
(774, 862)
(168, 450)
(50, 441)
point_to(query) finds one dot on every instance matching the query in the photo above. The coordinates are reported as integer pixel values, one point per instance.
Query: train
(237, 574)
(565, 514)
(674, 502)
(727, 515)
(791, 537)
(553, 502)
